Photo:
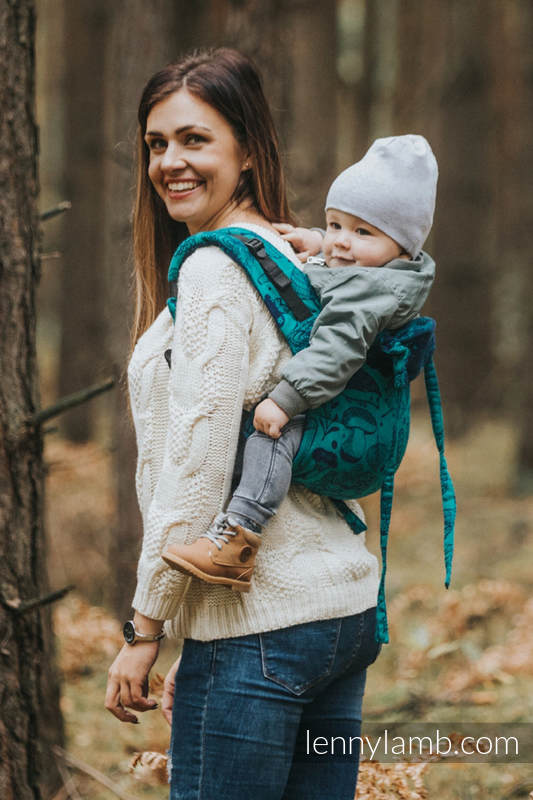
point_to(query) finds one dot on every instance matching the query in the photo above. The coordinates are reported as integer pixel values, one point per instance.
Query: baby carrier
(353, 444)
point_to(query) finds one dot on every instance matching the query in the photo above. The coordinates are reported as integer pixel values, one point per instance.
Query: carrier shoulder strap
(281, 281)
(258, 257)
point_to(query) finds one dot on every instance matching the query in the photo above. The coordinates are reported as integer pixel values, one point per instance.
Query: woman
(263, 674)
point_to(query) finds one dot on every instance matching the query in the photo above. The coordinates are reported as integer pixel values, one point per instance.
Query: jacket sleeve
(207, 383)
(354, 312)
(357, 304)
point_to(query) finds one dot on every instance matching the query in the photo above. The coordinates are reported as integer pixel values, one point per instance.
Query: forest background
(338, 75)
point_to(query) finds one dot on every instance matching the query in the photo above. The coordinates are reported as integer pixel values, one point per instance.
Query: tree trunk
(28, 691)
(152, 30)
(512, 104)
(82, 356)
(359, 59)
(293, 42)
(444, 93)
(311, 135)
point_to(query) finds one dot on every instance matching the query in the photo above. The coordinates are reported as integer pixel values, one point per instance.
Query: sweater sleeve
(207, 384)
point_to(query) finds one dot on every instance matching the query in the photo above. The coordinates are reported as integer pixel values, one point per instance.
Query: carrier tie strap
(387, 491)
(278, 278)
(449, 504)
(350, 517)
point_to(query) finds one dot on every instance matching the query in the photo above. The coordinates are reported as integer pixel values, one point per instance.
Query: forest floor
(460, 656)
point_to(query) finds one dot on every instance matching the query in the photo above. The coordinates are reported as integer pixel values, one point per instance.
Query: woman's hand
(127, 682)
(167, 701)
(269, 418)
(304, 241)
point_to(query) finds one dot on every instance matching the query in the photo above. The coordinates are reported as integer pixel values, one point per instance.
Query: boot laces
(218, 530)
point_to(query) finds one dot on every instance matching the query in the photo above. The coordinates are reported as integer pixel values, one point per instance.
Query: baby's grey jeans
(266, 474)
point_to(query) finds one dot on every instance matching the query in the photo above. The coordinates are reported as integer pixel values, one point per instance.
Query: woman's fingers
(167, 701)
(114, 702)
(121, 696)
(138, 699)
(283, 227)
(127, 684)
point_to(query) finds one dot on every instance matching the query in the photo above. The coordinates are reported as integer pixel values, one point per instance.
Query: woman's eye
(363, 232)
(194, 138)
(157, 144)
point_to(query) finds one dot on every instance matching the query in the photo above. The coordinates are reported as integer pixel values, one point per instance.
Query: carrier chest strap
(277, 276)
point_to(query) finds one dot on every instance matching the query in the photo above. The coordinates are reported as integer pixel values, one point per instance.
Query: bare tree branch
(56, 210)
(93, 773)
(69, 786)
(19, 606)
(70, 401)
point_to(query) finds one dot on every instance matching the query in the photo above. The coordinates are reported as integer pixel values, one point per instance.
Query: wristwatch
(131, 635)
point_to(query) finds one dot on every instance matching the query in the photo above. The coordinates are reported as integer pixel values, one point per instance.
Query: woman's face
(195, 160)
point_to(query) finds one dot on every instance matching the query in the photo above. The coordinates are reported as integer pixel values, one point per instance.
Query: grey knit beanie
(393, 188)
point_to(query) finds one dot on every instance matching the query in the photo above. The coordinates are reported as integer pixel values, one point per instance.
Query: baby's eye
(334, 226)
(363, 232)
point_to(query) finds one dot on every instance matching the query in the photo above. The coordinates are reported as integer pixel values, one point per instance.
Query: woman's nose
(173, 158)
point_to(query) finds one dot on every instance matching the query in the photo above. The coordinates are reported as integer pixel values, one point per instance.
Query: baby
(373, 276)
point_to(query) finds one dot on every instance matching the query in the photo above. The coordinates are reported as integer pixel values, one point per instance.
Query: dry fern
(150, 767)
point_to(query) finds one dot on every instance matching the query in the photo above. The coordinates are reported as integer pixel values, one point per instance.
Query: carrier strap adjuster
(280, 280)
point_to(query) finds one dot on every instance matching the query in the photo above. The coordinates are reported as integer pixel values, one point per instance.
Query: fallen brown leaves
(450, 619)
(376, 781)
(387, 781)
(85, 634)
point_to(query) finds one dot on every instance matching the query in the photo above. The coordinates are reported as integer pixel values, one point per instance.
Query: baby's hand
(269, 418)
(305, 242)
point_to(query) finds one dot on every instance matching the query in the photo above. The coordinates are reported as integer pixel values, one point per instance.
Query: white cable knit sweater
(227, 354)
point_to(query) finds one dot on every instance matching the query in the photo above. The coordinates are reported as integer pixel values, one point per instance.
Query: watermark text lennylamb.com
(424, 741)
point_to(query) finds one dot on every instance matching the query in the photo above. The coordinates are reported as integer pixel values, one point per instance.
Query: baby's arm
(305, 241)
(354, 312)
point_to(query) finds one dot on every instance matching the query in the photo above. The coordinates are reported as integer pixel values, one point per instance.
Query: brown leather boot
(224, 554)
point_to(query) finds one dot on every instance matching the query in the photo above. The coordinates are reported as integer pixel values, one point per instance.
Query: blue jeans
(249, 711)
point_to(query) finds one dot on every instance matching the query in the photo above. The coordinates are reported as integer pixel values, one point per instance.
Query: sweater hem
(207, 623)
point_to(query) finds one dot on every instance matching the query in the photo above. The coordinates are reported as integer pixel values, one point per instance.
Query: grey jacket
(357, 304)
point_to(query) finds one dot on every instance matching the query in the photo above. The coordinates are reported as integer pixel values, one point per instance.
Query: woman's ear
(247, 164)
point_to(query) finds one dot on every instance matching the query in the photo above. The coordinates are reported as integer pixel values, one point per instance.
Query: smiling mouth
(343, 260)
(182, 187)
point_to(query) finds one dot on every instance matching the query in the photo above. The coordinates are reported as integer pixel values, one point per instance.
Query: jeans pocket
(365, 648)
(301, 656)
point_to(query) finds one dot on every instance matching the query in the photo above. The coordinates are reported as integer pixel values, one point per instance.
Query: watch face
(129, 632)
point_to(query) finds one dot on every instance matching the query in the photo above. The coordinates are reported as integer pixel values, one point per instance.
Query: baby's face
(352, 242)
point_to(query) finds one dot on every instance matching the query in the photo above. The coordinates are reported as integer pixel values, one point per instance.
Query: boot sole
(189, 569)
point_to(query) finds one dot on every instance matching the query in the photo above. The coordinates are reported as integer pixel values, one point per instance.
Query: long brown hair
(231, 84)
